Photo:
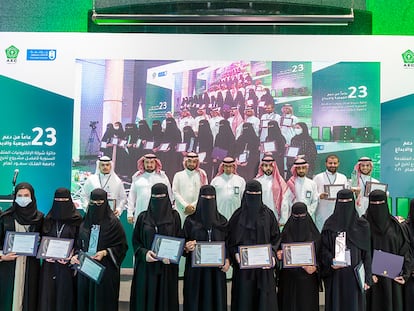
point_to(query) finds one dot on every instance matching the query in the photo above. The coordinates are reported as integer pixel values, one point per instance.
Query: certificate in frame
(292, 152)
(181, 147)
(371, 186)
(286, 121)
(243, 157)
(164, 147)
(332, 190)
(21, 243)
(90, 267)
(168, 247)
(298, 254)
(269, 146)
(112, 204)
(208, 254)
(54, 248)
(255, 256)
(149, 145)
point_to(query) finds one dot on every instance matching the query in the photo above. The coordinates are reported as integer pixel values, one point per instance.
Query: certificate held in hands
(297, 255)
(255, 256)
(90, 268)
(386, 264)
(54, 248)
(208, 254)
(21, 243)
(168, 247)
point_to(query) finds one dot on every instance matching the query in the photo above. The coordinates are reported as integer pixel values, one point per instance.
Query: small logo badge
(11, 53)
(408, 58)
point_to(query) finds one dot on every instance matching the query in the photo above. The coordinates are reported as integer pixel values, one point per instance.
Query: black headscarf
(206, 210)
(159, 206)
(251, 204)
(172, 133)
(345, 219)
(378, 214)
(111, 233)
(25, 215)
(157, 133)
(300, 226)
(205, 136)
(410, 218)
(225, 137)
(62, 211)
(144, 131)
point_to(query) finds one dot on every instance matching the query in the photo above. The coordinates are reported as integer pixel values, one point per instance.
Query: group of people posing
(242, 133)
(265, 210)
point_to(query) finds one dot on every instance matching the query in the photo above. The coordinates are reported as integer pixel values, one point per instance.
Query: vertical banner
(35, 139)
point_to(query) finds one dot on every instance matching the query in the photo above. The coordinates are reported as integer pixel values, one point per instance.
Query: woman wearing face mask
(102, 237)
(206, 225)
(57, 281)
(20, 274)
(306, 145)
(299, 287)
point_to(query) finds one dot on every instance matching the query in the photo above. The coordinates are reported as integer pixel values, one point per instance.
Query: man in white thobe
(106, 179)
(324, 181)
(361, 177)
(270, 115)
(300, 189)
(229, 187)
(186, 185)
(273, 184)
(149, 173)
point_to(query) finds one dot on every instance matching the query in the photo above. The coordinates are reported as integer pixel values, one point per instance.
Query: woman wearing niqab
(248, 142)
(100, 225)
(299, 287)
(19, 275)
(253, 224)
(57, 280)
(389, 236)
(205, 225)
(409, 285)
(155, 282)
(342, 291)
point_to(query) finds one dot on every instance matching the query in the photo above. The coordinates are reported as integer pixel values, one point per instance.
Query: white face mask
(298, 131)
(23, 201)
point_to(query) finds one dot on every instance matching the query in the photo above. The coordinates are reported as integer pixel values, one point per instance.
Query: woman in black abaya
(389, 236)
(248, 143)
(110, 249)
(205, 225)
(155, 282)
(409, 285)
(299, 287)
(342, 291)
(253, 224)
(204, 144)
(57, 280)
(274, 134)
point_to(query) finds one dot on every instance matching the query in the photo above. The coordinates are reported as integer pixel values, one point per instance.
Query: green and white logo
(408, 58)
(11, 53)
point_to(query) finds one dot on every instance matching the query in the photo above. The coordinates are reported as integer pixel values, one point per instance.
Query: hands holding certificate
(152, 257)
(8, 257)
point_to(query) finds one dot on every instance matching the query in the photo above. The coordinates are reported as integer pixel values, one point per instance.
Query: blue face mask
(23, 201)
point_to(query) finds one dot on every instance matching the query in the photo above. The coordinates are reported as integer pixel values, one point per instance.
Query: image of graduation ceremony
(207, 156)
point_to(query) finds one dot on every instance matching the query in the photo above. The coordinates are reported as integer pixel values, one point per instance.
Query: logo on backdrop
(11, 54)
(41, 55)
(408, 58)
